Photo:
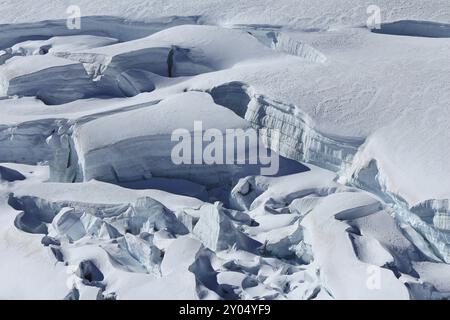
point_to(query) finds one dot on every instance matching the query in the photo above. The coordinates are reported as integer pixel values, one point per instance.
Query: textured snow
(92, 207)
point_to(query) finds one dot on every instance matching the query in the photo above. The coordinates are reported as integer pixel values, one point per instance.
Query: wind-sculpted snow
(359, 208)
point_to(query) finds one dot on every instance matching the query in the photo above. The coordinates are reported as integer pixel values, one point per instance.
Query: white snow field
(93, 207)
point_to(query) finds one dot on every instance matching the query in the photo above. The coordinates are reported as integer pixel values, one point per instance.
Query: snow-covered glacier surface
(92, 205)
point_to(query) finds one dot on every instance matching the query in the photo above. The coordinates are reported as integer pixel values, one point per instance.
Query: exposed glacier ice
(285, 128)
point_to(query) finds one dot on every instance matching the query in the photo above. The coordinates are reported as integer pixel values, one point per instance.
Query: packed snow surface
(93, 207)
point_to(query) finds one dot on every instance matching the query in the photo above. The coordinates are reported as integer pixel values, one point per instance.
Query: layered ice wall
(285, 128)
(364, 164)
(83, 75)
(144, 147)
(27, 142)
(390, 167)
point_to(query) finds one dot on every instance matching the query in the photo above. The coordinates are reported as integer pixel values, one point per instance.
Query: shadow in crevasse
(415, 28)
(216, 192)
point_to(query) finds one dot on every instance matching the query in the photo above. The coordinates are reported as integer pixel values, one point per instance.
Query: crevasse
(287, 130)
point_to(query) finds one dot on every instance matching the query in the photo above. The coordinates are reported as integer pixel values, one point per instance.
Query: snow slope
(321, 88)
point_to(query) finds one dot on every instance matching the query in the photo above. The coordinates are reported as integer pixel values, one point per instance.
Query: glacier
(93, 207)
